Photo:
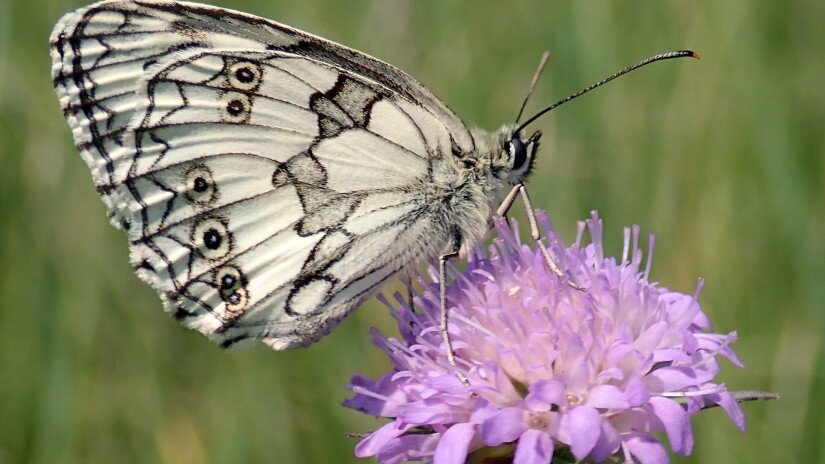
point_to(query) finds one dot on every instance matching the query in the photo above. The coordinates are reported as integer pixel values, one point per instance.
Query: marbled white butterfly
(269, 181)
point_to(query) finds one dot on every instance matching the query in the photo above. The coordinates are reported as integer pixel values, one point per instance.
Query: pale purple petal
(667, 379)
(371, 445)
(448, 383)
(731, 407)
(701, 320)
(454, 444)
(398, 450)
(649, 340)
(607, 397)
(430, 411)
(609, 443)
(483, 410)
(636, 392)
(645, 448)
(676, 423)
(613, 373)
(585, 427)
(385, 399)
(534, 447)
(682, 309)
(504, 427)
(543, 394)
(689, 343)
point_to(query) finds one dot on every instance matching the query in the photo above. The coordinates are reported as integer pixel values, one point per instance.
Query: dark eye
(518, 152)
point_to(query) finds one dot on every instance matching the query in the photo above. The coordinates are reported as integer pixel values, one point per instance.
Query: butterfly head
(516, 156)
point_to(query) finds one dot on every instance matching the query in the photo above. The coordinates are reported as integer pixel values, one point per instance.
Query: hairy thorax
(464, 195)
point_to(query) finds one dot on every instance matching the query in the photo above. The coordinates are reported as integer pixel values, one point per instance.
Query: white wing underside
(269, 180)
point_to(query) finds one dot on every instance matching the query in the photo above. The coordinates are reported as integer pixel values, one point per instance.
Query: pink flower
(551, 369)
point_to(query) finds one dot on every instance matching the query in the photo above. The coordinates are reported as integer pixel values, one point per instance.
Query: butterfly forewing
(254, 167)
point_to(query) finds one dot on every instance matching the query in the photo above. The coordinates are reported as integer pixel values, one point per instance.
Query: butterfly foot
(445, 317)
(555, 268)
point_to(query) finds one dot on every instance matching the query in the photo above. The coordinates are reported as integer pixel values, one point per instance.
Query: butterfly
(268, 180)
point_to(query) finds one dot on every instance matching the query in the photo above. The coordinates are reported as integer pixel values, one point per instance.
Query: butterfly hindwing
(254, 167)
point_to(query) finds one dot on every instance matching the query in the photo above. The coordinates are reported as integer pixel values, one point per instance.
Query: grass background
(721, 158)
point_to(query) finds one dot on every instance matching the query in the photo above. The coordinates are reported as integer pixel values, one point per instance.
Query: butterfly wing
(269, 180)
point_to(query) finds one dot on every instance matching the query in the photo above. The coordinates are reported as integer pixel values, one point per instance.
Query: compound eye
(518, 153)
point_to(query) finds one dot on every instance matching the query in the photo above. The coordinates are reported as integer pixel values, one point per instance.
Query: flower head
(551, 369)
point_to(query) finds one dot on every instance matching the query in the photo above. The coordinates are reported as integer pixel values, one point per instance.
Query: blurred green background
(722, 158)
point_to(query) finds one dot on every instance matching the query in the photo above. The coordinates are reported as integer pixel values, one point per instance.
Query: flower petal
(726, 400)
(650, 338)
(381, 397)
(543, 394)
(585, 428)
(454, 444)
(448, 383)
(636, 392)
(669, 379)
(534, 447)
(676, 423)
(607, 397)
(373, 444)
(398, 449)
(430, 411)
(504, 427)
(645, 448)
(681, 308)
(482, 411)
(609, 442)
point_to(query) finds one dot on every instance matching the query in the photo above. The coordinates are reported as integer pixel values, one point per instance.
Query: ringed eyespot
(199, 185)
(235, 107)
(244, 75)
(231, 284)
(237, 301)
(212, 238)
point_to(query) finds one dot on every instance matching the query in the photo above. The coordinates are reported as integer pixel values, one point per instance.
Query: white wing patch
(269, 181)
(391, 122)
(377, 160)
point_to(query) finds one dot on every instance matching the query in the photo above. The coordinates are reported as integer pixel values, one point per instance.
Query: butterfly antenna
(542, 63)
(654, 58)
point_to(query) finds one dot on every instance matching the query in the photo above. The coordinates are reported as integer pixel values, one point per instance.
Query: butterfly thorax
(475, 183)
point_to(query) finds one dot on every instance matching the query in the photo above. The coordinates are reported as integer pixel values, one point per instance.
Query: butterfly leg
(410, 298)
(442, 270)
(407, 280)
(521, 190)
(508, 201)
